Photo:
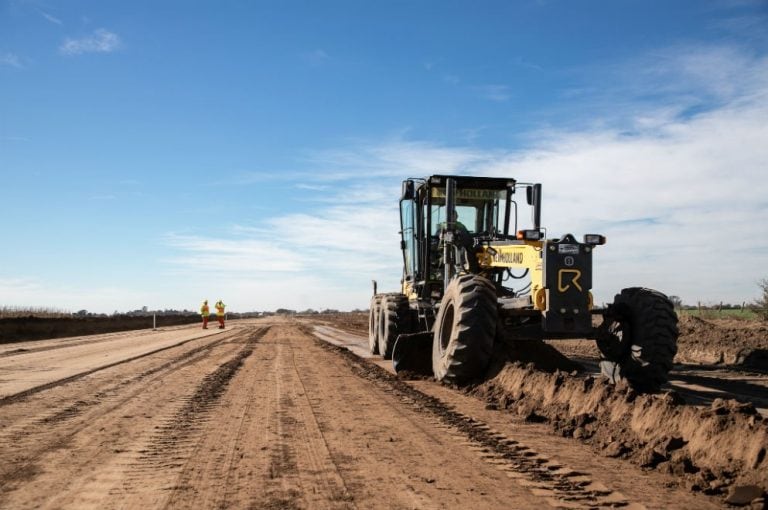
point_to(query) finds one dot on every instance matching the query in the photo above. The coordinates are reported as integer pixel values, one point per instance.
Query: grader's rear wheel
(464, 330)
(638, 339)
(394, 321)
(373, 324)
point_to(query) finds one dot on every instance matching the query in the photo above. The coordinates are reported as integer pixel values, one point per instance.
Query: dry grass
(8, 312)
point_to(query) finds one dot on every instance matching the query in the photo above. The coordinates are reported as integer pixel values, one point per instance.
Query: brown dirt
(724, 342)
(263, 415)
(716, 447)
(17, 329)
(708, 449)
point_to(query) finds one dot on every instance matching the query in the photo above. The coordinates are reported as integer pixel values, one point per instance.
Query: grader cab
(478, 264)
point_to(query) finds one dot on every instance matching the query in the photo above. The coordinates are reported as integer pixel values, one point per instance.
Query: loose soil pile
(727, 342)
(712, 450)
(355, 322)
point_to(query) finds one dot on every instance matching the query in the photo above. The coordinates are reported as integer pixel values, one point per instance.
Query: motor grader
(475, 268)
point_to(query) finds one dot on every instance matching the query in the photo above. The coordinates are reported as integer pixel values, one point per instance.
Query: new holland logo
(508, 258)
(566, 277)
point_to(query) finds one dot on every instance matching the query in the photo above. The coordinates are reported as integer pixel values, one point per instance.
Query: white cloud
(11, 60)
(50, 18)
(393, 158)
(682, 208)
(328, 257)
(497, 93)
(101, 41)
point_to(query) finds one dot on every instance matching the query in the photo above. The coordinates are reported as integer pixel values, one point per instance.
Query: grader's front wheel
(638, 339)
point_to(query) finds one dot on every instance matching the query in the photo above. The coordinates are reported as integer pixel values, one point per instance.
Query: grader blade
(413, 353)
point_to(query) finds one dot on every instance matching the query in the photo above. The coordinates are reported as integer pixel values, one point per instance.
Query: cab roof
(468, 181)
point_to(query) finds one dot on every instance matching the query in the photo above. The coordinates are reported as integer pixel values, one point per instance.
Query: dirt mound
(701, 341)
(18, 329)
(355, 322)
(711, 450)
(730, 342)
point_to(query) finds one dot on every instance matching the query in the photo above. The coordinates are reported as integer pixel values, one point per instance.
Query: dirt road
(265, 415)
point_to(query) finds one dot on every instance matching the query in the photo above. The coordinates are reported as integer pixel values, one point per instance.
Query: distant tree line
(758, 306)
(55, 313)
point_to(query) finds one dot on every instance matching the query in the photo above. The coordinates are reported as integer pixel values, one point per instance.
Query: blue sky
(159, 153)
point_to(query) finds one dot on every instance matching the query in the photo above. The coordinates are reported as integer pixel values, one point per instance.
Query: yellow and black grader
(473, 271)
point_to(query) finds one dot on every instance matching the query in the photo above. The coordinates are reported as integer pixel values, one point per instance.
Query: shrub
(762, 302)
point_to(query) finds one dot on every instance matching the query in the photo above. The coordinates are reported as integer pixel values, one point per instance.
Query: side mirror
(408, 191)
(533, 197)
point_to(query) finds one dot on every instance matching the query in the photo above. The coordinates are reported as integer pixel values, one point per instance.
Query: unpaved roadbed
(705, 443)
(268, 416)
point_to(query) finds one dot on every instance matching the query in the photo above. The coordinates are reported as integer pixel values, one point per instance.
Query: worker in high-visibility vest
(220, 312)
(205, 312)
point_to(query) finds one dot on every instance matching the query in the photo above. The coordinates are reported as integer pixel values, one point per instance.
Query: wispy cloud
(300, 260)
(451, 79)
(392, 158)
(316, 57)
(49, 17)
(522, 62)
(100, 41)
(661, 87)
(10, 60)
(498, 93)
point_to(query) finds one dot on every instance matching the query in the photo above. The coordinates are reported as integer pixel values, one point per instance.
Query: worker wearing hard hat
(220, 312)
(205, 312)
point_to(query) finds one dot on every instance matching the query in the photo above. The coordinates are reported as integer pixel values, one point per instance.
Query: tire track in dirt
(171, 446)
(18, 430)
(319, 458)
(391, 454)
(560, 486)
(32, 441)
(261, 447)
(20, 396)
(33, 346)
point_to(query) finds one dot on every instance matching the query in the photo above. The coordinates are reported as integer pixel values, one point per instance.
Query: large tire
(373, 324)
(464, 330)
(638, 339)
(394, 321)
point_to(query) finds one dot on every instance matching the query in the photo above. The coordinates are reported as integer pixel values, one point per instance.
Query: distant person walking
(205, 312)
(220, 312)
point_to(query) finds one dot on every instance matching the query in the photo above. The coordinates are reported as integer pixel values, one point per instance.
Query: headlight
(594, 239)
(530, 235)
